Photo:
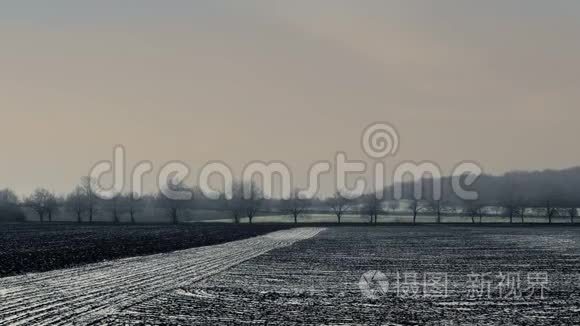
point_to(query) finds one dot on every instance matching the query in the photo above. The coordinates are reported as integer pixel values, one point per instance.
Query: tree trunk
(41, 215)
(338, 216)
(511, 216)
(79, 217)
(49, 216)
(415, 217)
(90, 215)
(250, 218)
(132, 213)
(438, 217)
(523, 213)
(295, 219)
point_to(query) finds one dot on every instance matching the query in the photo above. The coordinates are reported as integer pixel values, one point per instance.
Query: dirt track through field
(86, 294)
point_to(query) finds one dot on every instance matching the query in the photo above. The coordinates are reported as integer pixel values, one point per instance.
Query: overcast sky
(495, 81)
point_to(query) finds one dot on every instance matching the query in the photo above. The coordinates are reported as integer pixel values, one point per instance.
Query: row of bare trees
(84, 205)
(372, 207)
(246, 201)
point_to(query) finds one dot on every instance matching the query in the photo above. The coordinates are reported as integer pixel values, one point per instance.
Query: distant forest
(547, 193)
(533, 189)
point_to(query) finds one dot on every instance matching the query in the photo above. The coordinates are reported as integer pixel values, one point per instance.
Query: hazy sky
(494, 81)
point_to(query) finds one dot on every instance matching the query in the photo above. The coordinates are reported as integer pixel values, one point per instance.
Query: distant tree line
(546, 194)
(9, 206)
(516, 195)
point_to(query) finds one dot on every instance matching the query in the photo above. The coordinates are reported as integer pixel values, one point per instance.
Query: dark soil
(28, 248)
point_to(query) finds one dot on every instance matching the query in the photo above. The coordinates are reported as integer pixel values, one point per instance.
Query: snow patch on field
(86, 294)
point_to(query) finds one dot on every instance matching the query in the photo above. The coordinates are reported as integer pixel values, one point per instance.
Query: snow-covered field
(278, 279)
(87, 294)
(316, 282)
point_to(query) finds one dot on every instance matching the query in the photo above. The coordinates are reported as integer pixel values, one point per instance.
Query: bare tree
(235, 204)
(522, 211)
(295, 206)
(76, 203)
(372, 207)
(252, 200)
(416, 207)
(88, 185)
(339, 205)
(513, 206)
(52, 205)
(38, 201)
(115, 207)
(473, 208)
(550, 211)
(43, 202)
(439, 208)
(132, 204)
(572, 213)
(509, 188)
(174, 205)
(511, 210)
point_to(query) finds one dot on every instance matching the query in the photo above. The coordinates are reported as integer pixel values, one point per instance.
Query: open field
(35, 247)
(85, 294)
(316, 282)
(431, 275)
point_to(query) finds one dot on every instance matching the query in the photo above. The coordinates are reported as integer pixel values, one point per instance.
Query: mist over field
(266, 162)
